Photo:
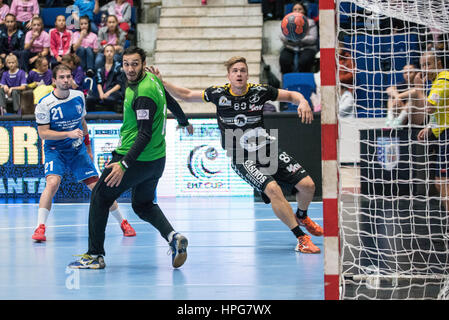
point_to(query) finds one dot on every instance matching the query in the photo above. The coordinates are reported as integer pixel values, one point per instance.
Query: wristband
(86, 140)
(123, 165)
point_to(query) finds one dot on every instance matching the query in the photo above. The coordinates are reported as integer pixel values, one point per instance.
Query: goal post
(384, 211)
(329, 138)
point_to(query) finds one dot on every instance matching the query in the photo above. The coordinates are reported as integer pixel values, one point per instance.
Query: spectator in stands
(4, 10)
(273, 9)
(37, 42)
(60, 40)
(73, 62)
(346, 102)
(300, 56)
(25, 11)
(86, 8)
(85, 45)
(12, 83)
(12, 40)
(111, 34)
(39, 83)
(406, 99)
(122, 10)
(40, 75)
(2, 67)
(437, 102)
(110, 83)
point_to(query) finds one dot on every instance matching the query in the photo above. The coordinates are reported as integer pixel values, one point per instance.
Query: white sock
(170, 236)
(402, 116)
(42, 215)
(117, 215)
(390, 115)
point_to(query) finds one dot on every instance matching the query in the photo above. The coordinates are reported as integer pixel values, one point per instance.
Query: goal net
(393, 218)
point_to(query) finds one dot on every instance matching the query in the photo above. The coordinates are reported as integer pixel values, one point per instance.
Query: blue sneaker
(178, 247)
(88, 262)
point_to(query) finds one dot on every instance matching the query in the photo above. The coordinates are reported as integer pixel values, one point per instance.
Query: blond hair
(228, 64)
(11, 56)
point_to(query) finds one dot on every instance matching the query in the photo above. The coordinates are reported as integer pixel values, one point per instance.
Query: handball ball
(294, 26)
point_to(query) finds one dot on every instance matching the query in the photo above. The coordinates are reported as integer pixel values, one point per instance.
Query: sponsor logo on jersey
(224, 102)
(240, 120)
(143, 114)
(435, 97)
(254, 172)
(254, 98)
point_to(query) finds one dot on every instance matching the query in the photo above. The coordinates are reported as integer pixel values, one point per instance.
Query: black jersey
(243, 112)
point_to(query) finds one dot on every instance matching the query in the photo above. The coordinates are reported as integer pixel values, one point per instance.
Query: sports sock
(170, 236)
(301, 214)
(402, 116)
(117, 215)
(297, 232)
(42, 215)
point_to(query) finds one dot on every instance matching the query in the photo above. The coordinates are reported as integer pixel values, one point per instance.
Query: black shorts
(440, 167)
(288, 173)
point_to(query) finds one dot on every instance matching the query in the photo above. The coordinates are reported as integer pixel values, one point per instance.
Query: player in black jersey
(254, 152)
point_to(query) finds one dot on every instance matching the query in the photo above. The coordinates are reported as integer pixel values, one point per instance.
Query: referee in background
(137, 163)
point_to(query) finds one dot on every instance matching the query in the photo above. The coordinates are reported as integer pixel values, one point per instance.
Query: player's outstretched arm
(304, 110)
(177, 91)
(184, 93)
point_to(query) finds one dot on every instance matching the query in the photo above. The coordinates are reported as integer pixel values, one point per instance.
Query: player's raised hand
(305, 112)
(76, 134)
(154, 70)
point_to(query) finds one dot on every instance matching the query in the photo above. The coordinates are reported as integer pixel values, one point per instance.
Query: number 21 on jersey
(56, 113)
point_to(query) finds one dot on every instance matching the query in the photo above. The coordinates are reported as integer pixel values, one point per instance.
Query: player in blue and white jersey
(61, 123)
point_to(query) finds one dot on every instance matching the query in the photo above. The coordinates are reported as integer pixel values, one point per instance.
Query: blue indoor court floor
(238, 250)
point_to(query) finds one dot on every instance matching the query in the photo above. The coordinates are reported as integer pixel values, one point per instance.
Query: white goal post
(384, 205)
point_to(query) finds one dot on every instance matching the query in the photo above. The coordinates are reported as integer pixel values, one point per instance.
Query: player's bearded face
(133, 67)
(238, 75)
(63, 80)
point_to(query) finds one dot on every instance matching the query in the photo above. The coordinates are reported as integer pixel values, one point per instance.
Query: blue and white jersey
(62, 115)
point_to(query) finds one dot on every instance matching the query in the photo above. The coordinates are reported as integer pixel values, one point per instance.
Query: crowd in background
(93, 51)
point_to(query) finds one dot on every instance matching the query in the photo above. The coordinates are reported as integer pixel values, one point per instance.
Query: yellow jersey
(439, 97)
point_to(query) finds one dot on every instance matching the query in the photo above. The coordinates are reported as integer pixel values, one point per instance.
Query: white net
(393, 218)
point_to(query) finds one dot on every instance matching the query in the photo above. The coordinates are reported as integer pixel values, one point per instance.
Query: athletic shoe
(305, 245)
(39, 233)
(128, 231)
(311, 226)
(88, 262)
(178, 248)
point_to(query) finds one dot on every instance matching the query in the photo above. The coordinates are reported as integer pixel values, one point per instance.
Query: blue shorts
(77, 161)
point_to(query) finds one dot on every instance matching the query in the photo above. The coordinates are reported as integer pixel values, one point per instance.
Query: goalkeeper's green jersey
(144, 116)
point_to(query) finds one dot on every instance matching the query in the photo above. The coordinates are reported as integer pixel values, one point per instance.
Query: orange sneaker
(39, 233)
(305, 245)
(312, 227)
(128, 231)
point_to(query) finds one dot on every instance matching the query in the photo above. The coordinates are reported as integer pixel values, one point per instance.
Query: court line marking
(137, 222)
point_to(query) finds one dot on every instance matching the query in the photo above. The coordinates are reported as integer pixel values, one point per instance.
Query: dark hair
(59, 15)
(88, 23)
(117, 28)
(302, 4)
(11, 15)
(59, 67)
(133, 49)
